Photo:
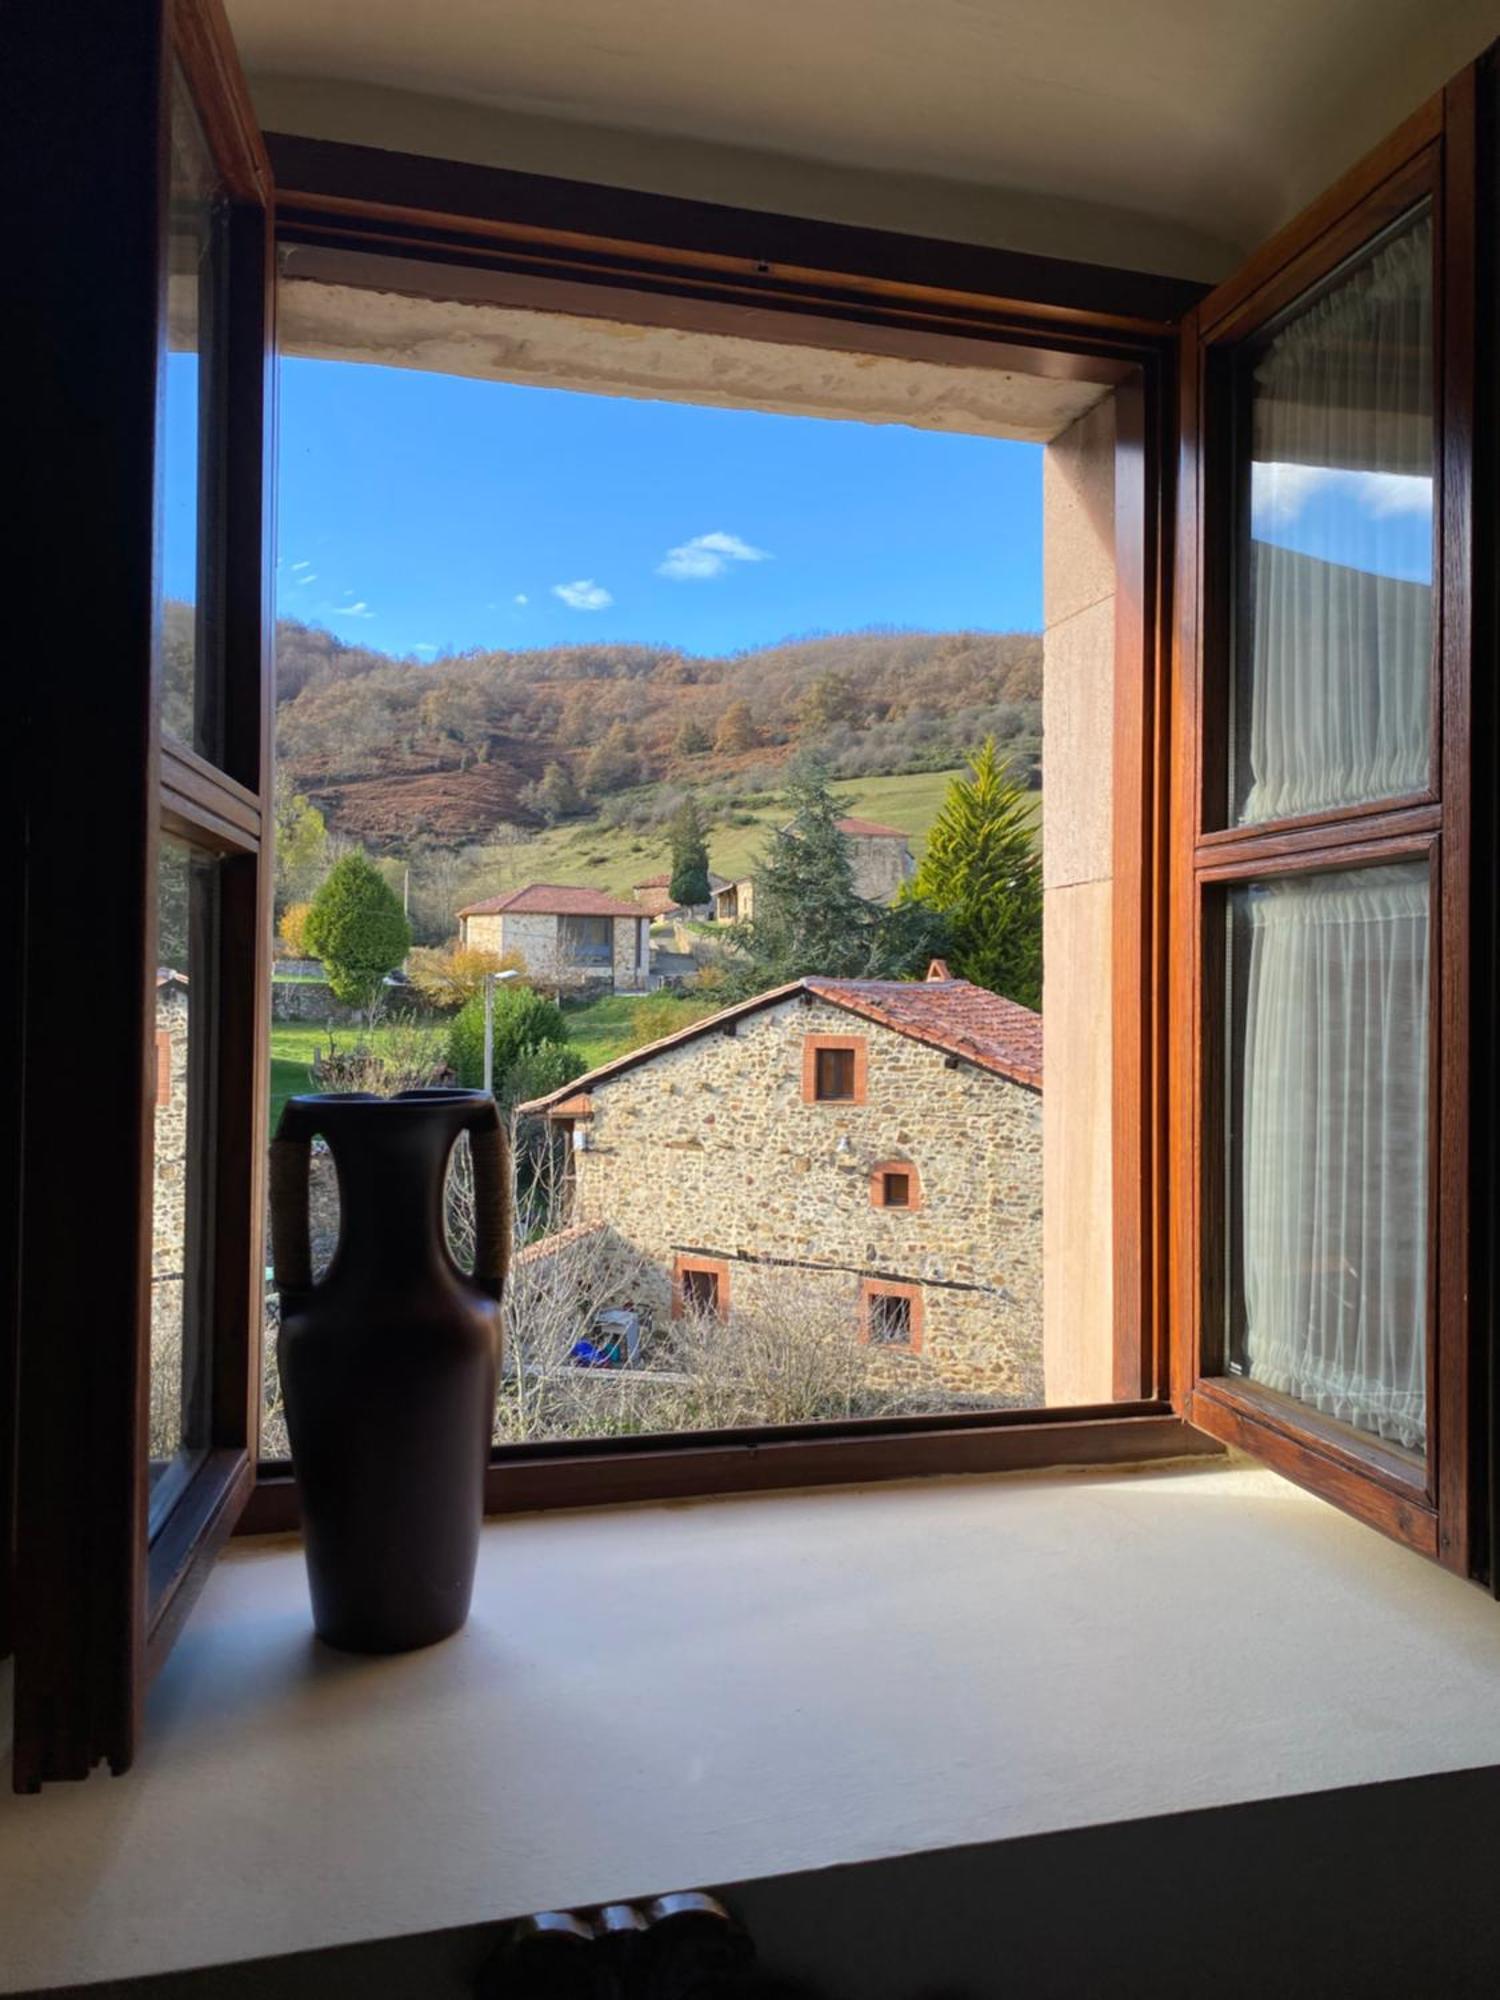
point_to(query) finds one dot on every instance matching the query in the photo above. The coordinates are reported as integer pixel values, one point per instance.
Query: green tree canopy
(524, 1019)
(691, 740)
(301, 844)
(808, 917)
(357, 927)
(982, 871)
(689, 856)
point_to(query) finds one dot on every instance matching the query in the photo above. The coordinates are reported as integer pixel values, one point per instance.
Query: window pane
(193, 260)
(1328, 1117)
(187, 886)
(1332, 694)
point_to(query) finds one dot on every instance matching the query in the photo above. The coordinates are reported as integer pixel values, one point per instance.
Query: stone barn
(875, 1146)
(566, 937)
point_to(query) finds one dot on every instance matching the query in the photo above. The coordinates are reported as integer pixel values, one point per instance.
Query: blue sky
(425, 513)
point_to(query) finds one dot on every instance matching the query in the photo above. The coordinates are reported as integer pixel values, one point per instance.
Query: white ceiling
(1180, 130)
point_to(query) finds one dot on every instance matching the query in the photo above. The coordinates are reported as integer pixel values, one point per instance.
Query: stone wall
(536, 937)
(880, 866)
(1078, 502)
(632, 954)
(308, 1000)
(169, 1218)
(710, 1149)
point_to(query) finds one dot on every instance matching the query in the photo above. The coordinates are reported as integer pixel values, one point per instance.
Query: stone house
(169, 1209)
(875, 1144)
(565, 936)
(880, 857)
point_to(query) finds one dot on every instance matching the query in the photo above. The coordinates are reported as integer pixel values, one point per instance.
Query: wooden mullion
(205, 805)
(1254, 861)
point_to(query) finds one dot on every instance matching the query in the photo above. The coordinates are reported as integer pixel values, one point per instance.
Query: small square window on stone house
(891, 1314)
(834, 1069)
(895, 1184)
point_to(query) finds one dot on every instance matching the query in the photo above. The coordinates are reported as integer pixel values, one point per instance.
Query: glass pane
(1328, 1130)
(193, 259)
(187, 896)
(1334, 645)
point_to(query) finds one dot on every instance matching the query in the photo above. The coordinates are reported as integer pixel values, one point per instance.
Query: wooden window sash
(1429, 1507)
(98, 1598)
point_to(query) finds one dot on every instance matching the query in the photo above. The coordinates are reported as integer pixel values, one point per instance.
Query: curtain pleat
(1340, 648)
(1335, 1122)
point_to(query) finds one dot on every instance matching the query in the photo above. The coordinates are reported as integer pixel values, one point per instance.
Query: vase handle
(490, 1152)
(291, 1232)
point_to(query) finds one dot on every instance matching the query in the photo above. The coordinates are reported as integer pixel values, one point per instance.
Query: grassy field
(602, 1029)
(616, 860)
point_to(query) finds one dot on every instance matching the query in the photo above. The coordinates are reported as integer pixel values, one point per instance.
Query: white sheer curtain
(1338, 652)
(1334, 1139)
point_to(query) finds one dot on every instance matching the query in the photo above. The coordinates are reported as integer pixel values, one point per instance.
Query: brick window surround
(712, 1267)
(880, 1192)
(163, 1066)
(887, 1288)
(815, 1045)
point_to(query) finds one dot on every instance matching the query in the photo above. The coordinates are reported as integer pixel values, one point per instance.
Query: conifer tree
(689, 885)
(982, 871)
(357, 927)
(808, 918)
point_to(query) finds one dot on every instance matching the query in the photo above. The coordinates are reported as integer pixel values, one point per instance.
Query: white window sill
(662, 1697)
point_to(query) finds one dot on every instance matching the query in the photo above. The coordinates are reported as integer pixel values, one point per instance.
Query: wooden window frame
(524, 238)
(711, 1267)
(871, 1289)
(913, 1187)
(1433, 1507)
(813, 1046)
(99, 1594)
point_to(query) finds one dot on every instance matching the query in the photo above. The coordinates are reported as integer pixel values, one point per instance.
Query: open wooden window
(143, 1120)
(1322, 776)
(149, 397)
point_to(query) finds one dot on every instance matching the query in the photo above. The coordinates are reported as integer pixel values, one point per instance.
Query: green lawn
(293, 1046)
(605, 1028)
(605, 858)
(601, 1030)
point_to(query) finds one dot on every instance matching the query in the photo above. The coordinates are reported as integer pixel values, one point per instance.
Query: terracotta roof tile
(965, 1021)
(551, 899)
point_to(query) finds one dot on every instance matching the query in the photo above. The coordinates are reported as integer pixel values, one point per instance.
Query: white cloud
(310, 577)
(1280, 490)
(300, 565)
(522, 598)
(584, 595)
(359, 610)
(426, 648)
(708, 555)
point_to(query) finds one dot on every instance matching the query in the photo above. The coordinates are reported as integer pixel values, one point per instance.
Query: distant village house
(875, 1144)
(578, 939)
(880, 857)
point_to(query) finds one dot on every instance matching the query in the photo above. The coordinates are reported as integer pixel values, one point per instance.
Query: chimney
(938, 970)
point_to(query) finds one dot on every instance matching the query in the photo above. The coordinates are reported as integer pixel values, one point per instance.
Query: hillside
(398, 754)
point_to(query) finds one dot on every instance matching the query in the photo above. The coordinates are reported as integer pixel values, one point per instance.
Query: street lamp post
(489, 1026)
